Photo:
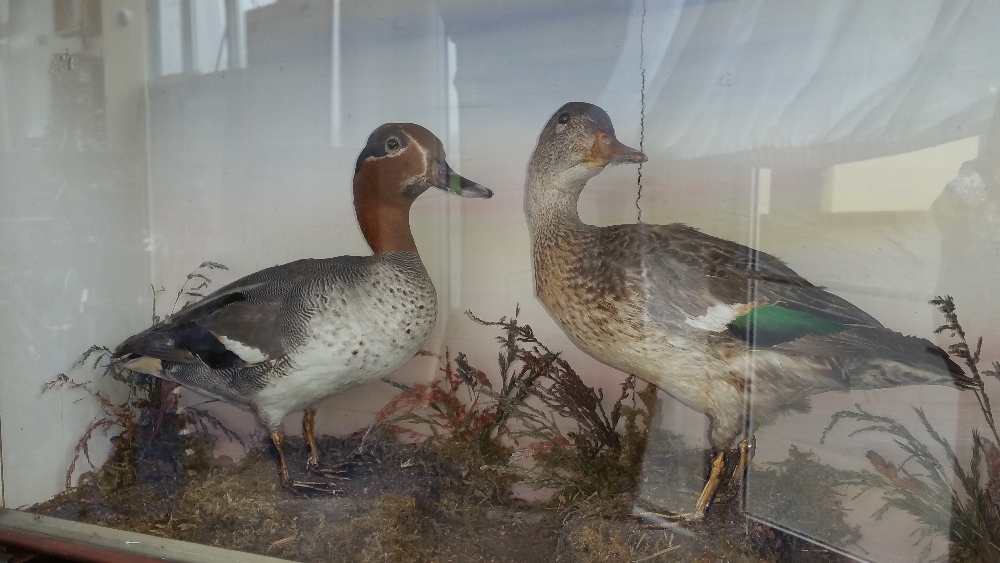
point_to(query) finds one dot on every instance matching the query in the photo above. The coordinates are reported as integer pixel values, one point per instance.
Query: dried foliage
(141, 419)
(421, 503)
(967, 513)
(460, 409)
(417, 505)
(448, 499)
(149, 416)
(604, 455)
(523, 418)
(802, 490)
(192, 288)
(962, 350)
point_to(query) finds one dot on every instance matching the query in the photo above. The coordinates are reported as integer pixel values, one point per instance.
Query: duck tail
(884, 358)
(932, 364)
(956, 374)
(152, 343)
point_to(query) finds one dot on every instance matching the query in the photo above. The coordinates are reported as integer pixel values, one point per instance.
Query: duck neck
(384, 223)
(550, 203)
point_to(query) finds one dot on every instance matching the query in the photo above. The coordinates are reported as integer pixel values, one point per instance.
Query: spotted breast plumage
(709, 321)
(287, 337)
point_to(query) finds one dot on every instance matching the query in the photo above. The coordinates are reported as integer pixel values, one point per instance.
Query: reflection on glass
(854, 142)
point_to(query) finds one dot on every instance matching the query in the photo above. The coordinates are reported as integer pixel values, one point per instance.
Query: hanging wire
(642, 107)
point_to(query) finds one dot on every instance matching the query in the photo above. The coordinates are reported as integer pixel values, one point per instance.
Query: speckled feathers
(287, 337)
(663, 301)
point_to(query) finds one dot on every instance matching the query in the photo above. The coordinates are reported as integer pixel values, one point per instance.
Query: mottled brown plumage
(684, 310)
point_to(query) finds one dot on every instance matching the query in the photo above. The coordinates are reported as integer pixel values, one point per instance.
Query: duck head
(577, 142)
(400, 161)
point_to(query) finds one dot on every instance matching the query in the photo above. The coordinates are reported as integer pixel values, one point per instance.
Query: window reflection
(200, 37)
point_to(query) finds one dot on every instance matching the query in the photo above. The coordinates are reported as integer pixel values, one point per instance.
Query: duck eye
(392, 144)
(563, 117)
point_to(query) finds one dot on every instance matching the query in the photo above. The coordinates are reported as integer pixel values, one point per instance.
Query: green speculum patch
(770, 325)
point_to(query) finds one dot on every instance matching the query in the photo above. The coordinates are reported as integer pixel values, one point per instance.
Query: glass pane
(697, 319)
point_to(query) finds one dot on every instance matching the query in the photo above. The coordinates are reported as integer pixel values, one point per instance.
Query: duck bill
(609, 150)
(448, 180)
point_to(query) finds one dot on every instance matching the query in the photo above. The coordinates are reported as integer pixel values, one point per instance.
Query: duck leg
(312, 462)
(704, 500)
(309, 431)
(708, 493)
(746, 454)
(297, 486)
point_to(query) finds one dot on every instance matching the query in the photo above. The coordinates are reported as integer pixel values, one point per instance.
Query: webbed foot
(303, 487)
(330, 471)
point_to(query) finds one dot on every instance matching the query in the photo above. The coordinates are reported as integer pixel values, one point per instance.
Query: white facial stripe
(411, 142)
(423, 154)
(398, 151)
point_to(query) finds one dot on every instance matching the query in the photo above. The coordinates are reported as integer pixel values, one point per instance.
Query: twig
(657, 554)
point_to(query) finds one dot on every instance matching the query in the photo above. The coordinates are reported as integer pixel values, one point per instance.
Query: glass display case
(701, 280)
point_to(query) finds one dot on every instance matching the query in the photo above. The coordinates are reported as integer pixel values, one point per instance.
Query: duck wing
(719, 285)
(245, 323)
(755, 298)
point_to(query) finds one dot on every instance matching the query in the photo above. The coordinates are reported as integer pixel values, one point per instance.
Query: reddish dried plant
(891, 472)
(124, 416)
(149, 409)
(467, 419)
(464, 406)
(992, 454)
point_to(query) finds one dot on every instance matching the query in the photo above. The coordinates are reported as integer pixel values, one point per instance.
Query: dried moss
(449, 498)
(398, 529)
(598, 541)
(593, 535)
(407, 502)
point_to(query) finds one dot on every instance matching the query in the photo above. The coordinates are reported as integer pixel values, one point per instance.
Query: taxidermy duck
(695, 314)
(287, 337)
